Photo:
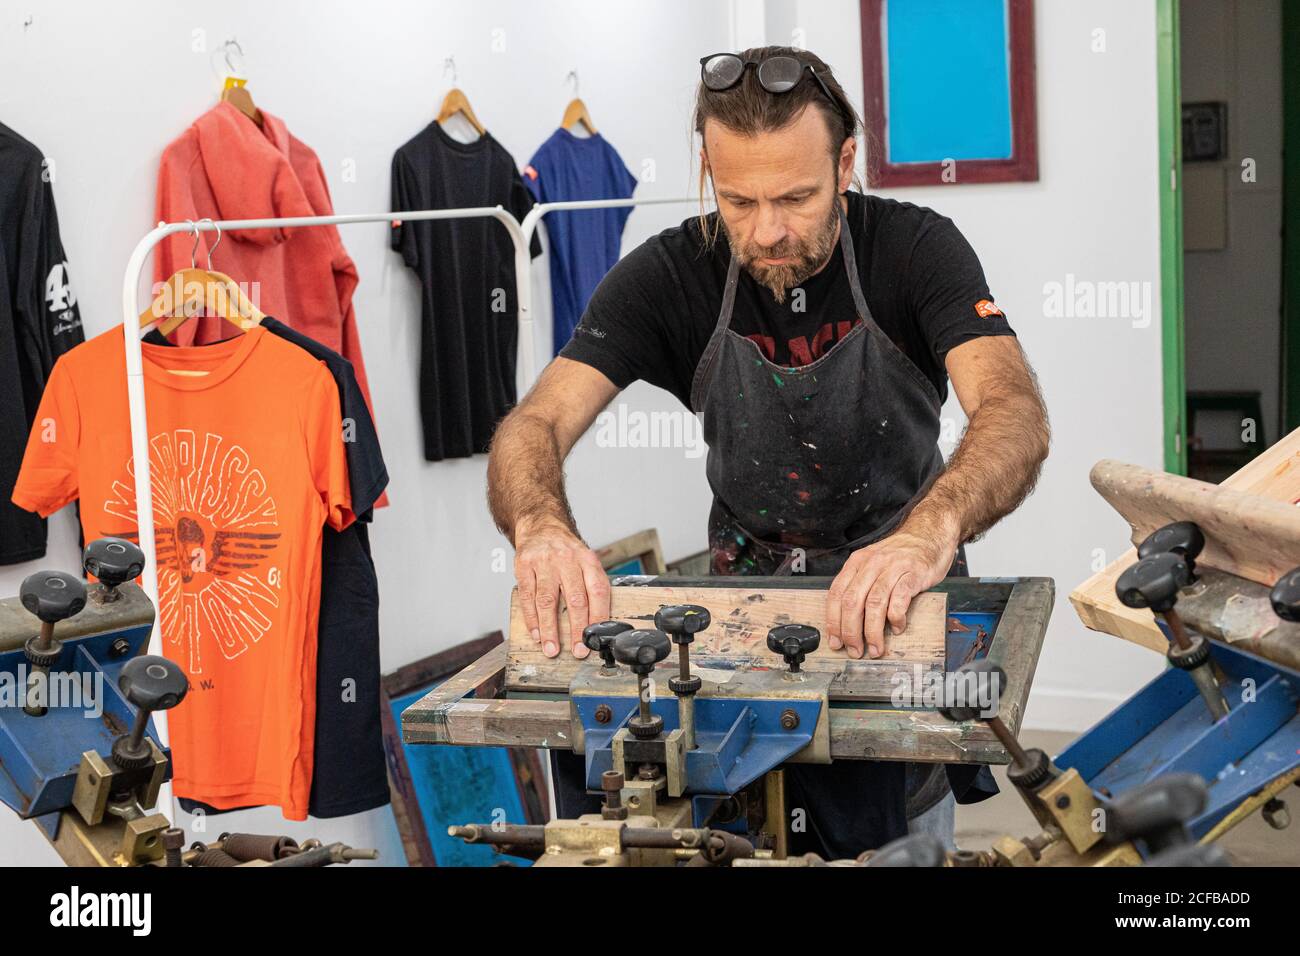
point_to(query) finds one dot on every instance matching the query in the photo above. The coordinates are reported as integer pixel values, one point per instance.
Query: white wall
(1232, 52)
(103, 91)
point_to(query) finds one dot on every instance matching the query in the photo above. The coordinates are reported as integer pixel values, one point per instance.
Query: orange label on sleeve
(984, 308)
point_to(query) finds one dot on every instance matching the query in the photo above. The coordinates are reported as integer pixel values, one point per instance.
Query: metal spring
(214, 857)
(257, 846)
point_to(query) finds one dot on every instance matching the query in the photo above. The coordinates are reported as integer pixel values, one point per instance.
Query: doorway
(1227, 115)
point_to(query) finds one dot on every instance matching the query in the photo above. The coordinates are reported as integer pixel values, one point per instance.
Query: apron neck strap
(851, 264)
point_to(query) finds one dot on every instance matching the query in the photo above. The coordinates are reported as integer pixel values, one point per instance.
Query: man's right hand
(553, 563)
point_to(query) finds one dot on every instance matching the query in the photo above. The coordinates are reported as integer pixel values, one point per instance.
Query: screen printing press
(698, 691)
(732, 700)
(79, 752)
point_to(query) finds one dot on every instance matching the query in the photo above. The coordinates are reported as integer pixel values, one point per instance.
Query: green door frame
(1290, 215)
(1170, 109)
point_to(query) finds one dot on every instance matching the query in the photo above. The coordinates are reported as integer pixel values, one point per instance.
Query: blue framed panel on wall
(949, 91)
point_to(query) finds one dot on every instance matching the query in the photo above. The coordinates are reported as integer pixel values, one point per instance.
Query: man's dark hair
(749, 109)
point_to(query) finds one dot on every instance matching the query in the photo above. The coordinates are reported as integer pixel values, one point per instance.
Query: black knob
(113, 560)
(149, 683)
(153, 683)
(52, 595)
(990, 682)
(1158, 812)
(1285, 596)
(917, 849)
(682, 621)
(793, 642)
(1182, 538)
(1154, 582)
(600, 638)
(641, 650)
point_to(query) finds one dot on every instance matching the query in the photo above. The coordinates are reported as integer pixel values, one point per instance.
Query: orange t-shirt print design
(215, 531)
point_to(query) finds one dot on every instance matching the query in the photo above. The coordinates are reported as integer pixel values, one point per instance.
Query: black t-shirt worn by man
(653, 314)
(39, 321)
(469, 331)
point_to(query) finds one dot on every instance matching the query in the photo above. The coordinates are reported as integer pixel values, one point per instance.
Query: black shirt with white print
(39, 321)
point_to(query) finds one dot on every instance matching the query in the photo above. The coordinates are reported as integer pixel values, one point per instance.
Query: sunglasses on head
(776, 74)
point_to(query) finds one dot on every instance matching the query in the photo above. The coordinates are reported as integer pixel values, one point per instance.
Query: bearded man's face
(777, 194)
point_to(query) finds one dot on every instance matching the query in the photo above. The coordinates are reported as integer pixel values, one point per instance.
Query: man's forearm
(526, 477)
(993, 469)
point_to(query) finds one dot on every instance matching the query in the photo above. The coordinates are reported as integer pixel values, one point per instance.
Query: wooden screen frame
(1022, 166)
(643, 545)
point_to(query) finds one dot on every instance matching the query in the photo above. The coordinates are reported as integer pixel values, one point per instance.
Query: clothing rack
(521, 234)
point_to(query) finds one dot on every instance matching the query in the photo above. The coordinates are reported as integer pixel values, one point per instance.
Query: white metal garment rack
(521, 234)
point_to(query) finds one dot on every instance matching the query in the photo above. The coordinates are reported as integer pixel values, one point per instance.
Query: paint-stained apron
(807, 465)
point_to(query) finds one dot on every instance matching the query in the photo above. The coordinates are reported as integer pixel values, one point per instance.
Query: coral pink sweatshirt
(225, 167)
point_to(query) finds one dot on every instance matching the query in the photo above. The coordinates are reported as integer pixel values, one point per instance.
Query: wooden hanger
(235, 90)
(196, 291)
(456, 101)
(576, 112)
(238, 96)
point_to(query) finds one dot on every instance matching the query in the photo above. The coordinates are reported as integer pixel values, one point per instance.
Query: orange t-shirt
(247, 465)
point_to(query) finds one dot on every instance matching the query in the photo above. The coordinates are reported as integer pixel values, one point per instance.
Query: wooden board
(1274, 474)
(1245, 534)
(742, 616)
(466, 709)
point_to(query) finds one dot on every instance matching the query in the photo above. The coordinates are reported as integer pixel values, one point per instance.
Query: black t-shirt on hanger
(39, 321)
(350, 774)
(466, 267)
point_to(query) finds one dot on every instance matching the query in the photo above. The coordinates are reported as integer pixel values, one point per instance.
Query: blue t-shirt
(584, 243)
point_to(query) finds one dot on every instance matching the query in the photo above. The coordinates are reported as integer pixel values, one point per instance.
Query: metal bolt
(1062, 801)
(611, 781)
(173, 844)
(603, 714)
(789, 719)
(119, 647)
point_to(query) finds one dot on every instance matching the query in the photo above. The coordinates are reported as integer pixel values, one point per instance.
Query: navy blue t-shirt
(584, 243)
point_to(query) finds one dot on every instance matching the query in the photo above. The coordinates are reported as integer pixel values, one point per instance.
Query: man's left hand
(878, 582)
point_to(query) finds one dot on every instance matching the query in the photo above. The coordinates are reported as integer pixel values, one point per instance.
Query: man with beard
(814, 329)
